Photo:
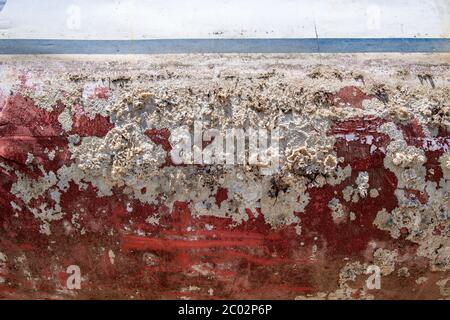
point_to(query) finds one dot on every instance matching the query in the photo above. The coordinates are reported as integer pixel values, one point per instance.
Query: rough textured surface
(87, 178)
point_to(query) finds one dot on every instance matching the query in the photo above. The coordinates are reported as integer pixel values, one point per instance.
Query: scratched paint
(87, 178)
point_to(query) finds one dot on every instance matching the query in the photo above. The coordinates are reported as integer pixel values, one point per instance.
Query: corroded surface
(87, 178)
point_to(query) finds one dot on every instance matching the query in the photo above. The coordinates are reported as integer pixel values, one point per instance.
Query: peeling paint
(88, 178)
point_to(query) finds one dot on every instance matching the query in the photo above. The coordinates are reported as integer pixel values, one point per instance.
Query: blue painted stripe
(41, 46)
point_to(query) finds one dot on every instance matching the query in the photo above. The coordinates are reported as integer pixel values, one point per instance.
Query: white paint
(111, 256)
(157, 19)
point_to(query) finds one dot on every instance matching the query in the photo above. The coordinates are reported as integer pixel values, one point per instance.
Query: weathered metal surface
(87, 178)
